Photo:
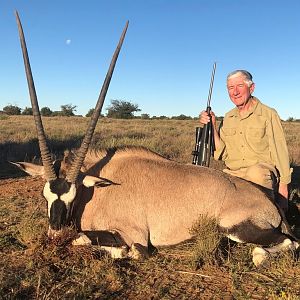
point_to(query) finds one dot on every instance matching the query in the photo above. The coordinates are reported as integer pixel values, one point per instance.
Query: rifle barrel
(211, 84)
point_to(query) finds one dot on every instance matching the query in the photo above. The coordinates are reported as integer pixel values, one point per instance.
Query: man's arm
(280, 156)
(283, 191)
(279, 150)
(204, 119)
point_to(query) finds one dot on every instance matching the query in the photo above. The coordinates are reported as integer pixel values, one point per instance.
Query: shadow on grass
(29, 152)
(293, 215)
(295, 177)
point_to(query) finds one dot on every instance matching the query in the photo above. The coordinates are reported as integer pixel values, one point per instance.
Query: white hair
(246, 74)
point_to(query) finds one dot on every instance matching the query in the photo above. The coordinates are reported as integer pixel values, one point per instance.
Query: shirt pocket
(257, 139)
(229, 138)
(228, 132)
(256, 133)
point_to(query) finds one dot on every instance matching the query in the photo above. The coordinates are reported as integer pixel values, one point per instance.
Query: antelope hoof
(116, 252)
(137, 251)
(259, 256)
(82, 240)
(294, 246)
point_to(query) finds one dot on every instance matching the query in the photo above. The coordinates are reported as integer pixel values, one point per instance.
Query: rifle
(204, 135)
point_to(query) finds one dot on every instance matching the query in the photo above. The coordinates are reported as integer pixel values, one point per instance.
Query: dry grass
(207, 241)
(172, 138)
(34, 268)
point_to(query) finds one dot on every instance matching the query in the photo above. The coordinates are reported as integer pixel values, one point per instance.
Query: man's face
(238, 90)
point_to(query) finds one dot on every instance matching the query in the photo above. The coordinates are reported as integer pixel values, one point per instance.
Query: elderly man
(251, 141)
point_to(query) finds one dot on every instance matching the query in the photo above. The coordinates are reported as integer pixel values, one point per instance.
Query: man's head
(240, 87)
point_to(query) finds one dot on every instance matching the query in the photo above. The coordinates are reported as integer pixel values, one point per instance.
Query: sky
(166, 60)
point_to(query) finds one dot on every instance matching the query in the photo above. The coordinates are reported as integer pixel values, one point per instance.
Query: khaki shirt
(253, 138)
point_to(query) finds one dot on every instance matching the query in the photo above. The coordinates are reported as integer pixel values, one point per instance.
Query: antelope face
(59, 194)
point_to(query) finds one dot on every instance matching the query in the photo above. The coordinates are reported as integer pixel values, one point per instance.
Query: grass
(206, 268)
(206, 245)
(172, 138)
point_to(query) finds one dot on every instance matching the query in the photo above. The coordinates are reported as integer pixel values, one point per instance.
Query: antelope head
(60, 191)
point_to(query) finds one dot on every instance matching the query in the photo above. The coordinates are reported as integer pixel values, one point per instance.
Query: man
(251, 141)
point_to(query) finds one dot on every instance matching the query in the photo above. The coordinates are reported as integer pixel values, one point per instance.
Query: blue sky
(167, 57)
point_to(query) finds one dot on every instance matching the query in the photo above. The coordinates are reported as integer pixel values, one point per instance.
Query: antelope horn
(45, 154)
(78, 161)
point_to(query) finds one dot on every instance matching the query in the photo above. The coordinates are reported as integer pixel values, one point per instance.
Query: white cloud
(68, 42)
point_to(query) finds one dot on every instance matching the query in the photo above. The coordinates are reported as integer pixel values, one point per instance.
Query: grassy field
(34, 268)
(172, 138)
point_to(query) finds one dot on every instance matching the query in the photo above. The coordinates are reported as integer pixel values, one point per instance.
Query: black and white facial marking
(59, 193)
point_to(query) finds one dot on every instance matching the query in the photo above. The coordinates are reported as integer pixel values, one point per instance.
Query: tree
(46, 111)
(90, 112)
(68, 110)
(290, 119)
(12, 110)
(27, 111)
(120, 109)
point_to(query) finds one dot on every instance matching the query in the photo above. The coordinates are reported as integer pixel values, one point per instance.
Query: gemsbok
(130, 199)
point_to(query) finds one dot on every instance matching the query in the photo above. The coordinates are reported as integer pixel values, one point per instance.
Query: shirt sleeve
(278, 148)
(220, 153)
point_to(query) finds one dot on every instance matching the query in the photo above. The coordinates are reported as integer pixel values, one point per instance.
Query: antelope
(129, 200)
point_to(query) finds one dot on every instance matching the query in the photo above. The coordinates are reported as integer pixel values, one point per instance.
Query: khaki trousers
(262, 174)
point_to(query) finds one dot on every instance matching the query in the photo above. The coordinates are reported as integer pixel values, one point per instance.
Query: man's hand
(283, 196)
(204, 118)
(283, 190)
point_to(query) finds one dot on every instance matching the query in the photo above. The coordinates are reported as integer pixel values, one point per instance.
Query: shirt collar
(255, 109)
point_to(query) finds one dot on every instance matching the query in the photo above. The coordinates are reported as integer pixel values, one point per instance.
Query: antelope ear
(29, 168)
(90, 181)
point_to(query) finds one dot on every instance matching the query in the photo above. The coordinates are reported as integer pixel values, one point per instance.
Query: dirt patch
(26, 187)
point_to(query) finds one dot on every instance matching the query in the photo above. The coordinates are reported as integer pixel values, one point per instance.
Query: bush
(46, 111)
(12, 110)
(27, 111)
(68, 110)
(182, 117)
(145, 116)
(90, 112)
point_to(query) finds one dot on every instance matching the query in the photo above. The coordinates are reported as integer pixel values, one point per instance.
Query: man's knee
(262, 174)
